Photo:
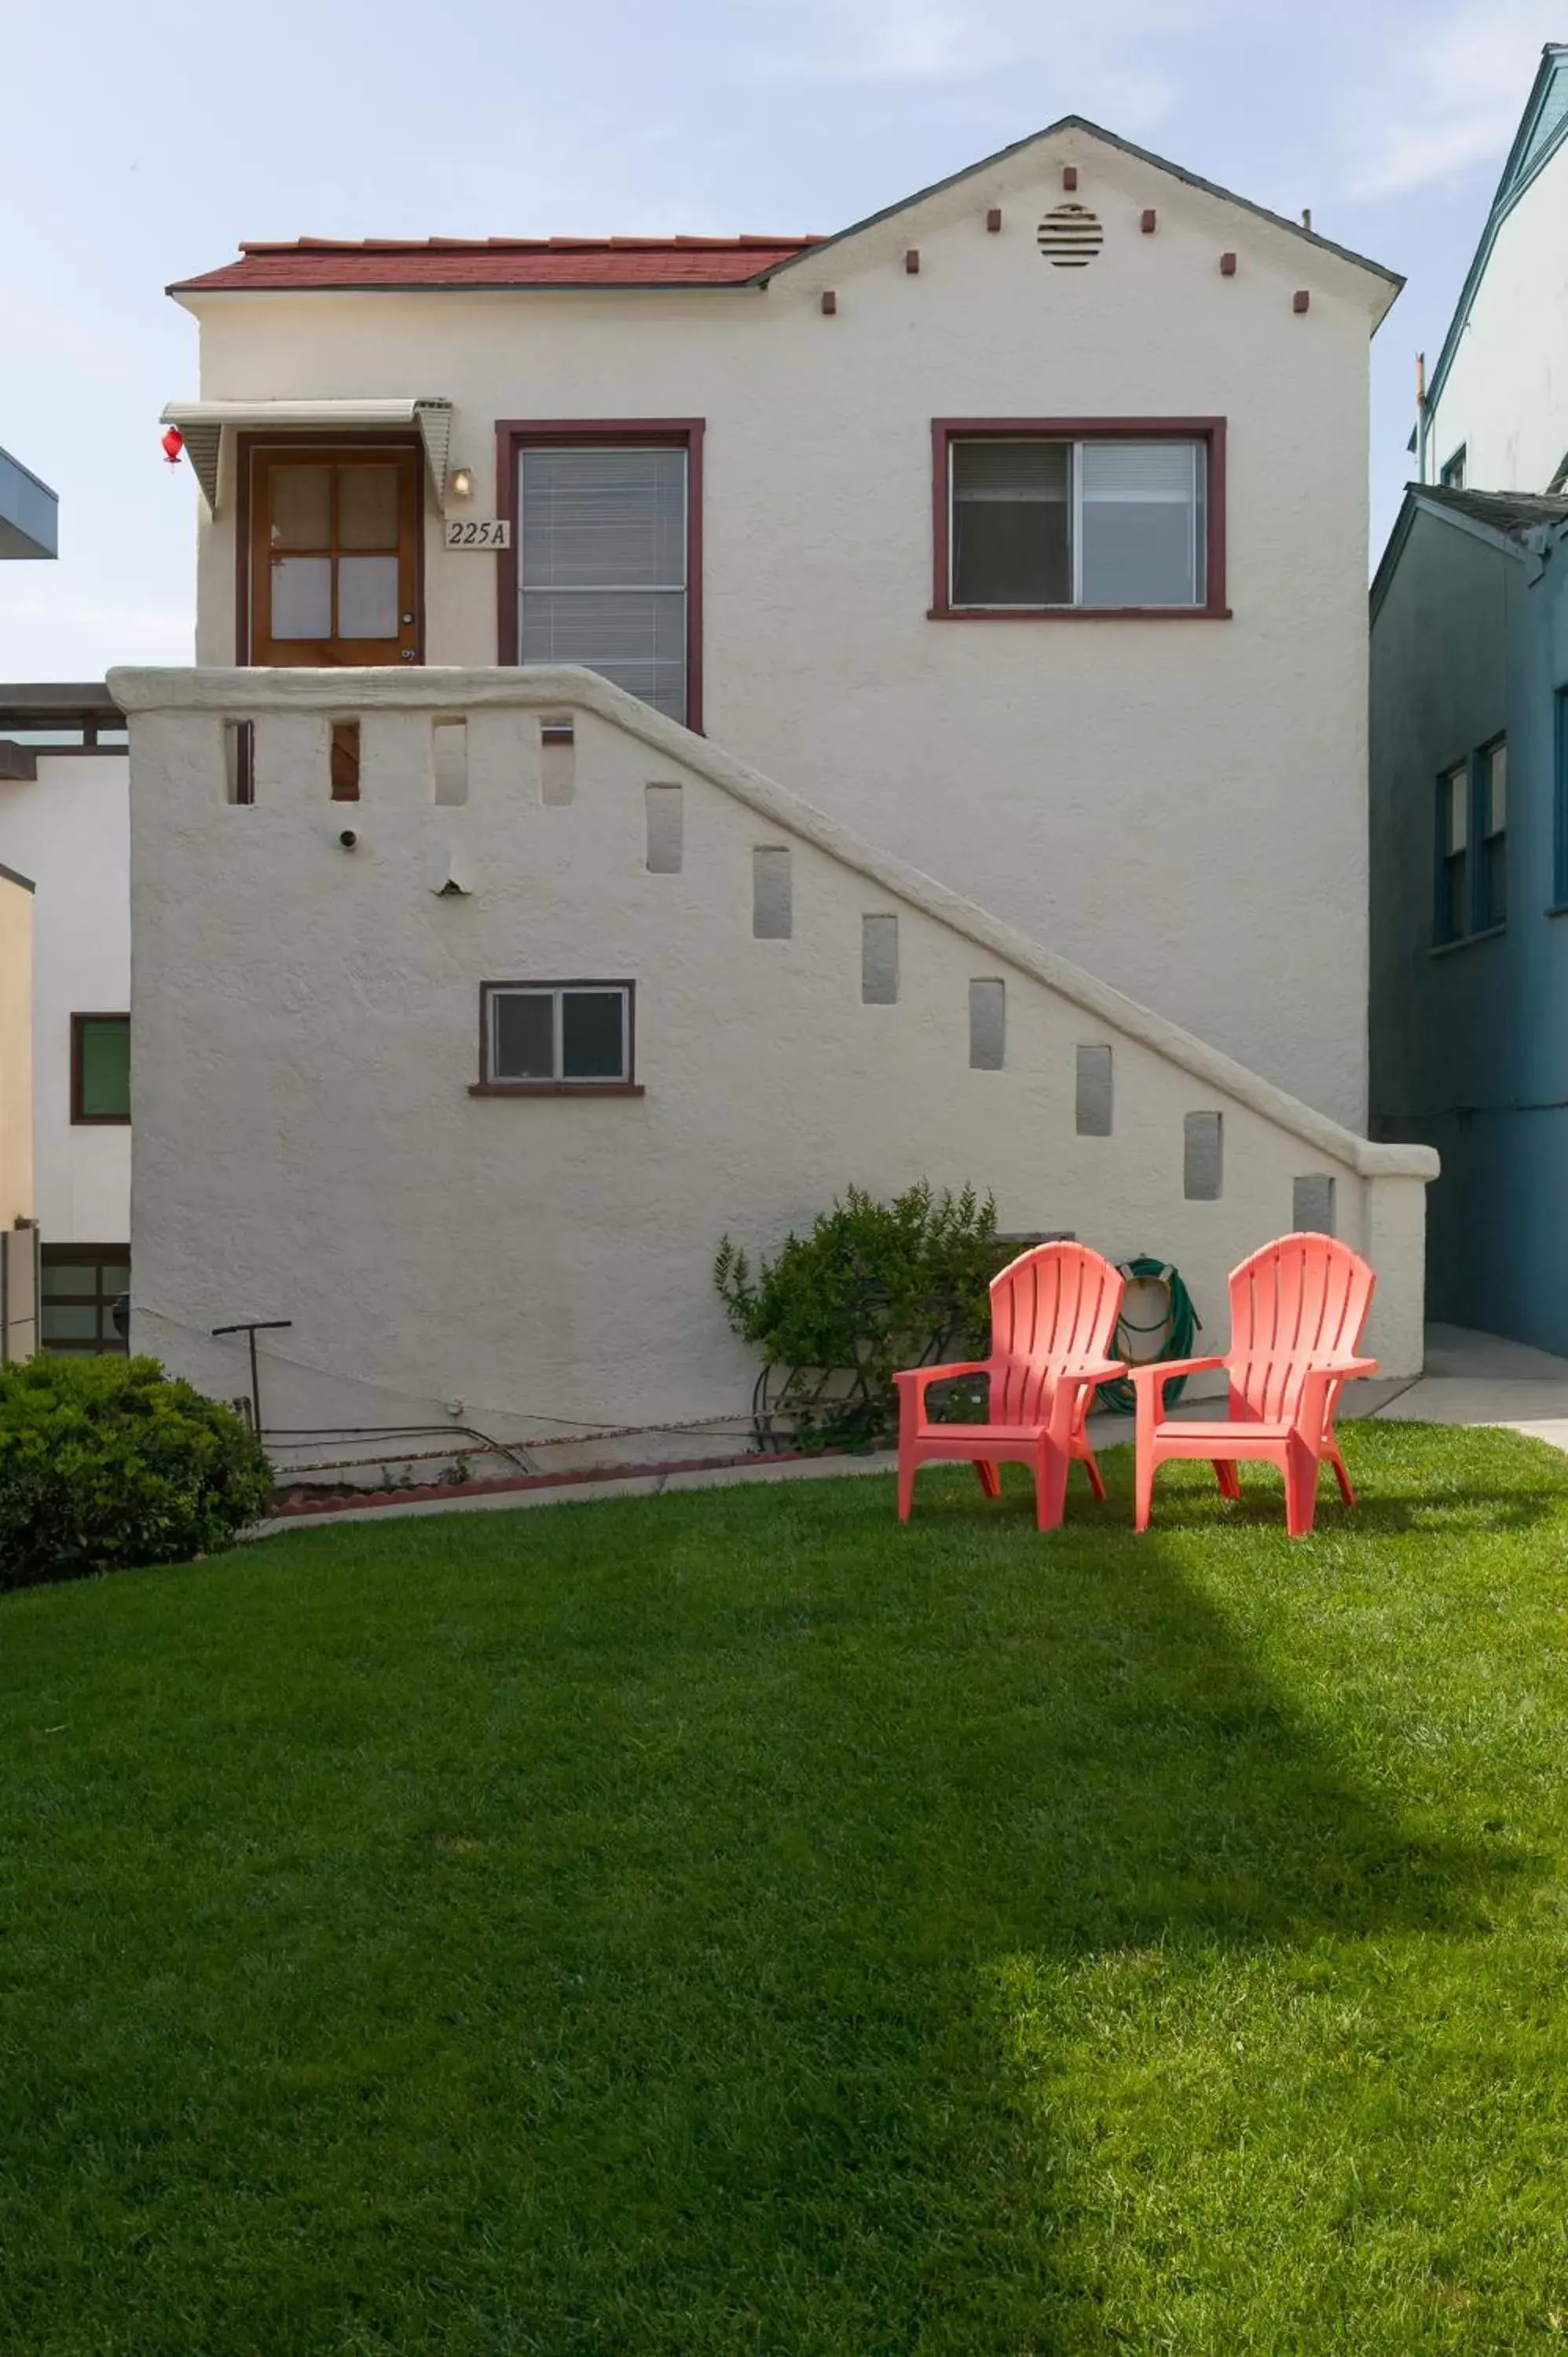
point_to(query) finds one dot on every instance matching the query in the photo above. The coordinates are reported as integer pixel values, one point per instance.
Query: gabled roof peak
(1097, 131)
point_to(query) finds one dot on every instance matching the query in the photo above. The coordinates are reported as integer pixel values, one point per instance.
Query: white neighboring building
(1015, 537)
(65, 822)
(1497, 407)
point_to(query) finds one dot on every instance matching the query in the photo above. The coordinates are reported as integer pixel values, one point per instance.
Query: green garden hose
(1174, 1332)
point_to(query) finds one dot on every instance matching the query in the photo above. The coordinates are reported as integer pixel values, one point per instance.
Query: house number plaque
(478, 532)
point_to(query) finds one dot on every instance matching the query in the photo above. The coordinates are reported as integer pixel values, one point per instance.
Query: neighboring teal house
(1469, 877)
(1469, 768)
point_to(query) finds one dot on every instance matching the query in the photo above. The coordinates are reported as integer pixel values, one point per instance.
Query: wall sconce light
(461, 482)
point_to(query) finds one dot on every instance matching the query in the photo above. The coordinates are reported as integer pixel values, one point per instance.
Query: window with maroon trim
(557, 1039)
(605, 569)
(1056, 518)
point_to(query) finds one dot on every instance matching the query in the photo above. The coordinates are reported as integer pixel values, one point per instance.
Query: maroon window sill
(557, 1089)
(1078, 613)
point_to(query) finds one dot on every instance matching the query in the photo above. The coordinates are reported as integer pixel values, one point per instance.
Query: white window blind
(1144, 529)
(603, 567)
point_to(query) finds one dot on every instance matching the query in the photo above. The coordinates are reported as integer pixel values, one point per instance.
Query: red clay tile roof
(309, 263)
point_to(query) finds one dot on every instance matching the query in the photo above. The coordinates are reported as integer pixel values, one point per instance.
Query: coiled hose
(1174, 1332)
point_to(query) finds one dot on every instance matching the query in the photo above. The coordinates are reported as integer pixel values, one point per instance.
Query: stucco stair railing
(330, 871)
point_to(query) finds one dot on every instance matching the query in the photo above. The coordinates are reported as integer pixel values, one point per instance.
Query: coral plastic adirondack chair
(1297, 1309)
(1053, 1313)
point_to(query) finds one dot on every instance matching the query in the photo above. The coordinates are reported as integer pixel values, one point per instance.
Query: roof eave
(185, 287)
(1419, 500)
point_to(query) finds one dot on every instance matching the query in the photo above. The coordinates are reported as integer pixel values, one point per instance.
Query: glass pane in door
(366, 506)
(367, 597)
(302, 506)
(302, 597)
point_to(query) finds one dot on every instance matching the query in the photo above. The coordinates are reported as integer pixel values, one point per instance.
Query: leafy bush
(106, 1462)
(875, 1287)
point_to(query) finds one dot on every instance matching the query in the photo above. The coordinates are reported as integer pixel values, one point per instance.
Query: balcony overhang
(202, 424)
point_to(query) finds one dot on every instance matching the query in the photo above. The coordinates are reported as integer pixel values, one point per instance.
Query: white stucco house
(1495, 416)
(681, 724)
(65, 824)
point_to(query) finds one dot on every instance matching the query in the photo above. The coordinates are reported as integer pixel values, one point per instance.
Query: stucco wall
(1506, 393)
(69, 830)
(304, 1034)
(16, 1053)
(1470, 1043)
(1179, 805)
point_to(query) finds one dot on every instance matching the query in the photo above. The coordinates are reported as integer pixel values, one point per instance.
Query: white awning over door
(202, 424)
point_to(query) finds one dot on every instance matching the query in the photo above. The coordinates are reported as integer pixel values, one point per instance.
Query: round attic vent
(1070, 236)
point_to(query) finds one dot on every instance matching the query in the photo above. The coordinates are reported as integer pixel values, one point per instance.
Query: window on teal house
(1491, 834)
(1559, 804)
(1449, 914)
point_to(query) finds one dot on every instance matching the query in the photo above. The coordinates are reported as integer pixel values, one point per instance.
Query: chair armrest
(1320, 1380)
(1149, 1381)
(917, 1381)
(1099, 1371)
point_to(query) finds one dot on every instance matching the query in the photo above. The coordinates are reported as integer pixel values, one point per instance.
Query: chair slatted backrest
(1052, 1309)
(1299, 1301)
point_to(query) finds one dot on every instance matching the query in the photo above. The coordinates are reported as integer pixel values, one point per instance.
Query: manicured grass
(730, 1923)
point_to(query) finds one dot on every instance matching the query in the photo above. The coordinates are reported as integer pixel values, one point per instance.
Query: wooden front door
(333, 574)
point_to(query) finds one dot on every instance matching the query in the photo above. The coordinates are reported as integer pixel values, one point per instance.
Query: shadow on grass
(956, 1765)
(626, 1930)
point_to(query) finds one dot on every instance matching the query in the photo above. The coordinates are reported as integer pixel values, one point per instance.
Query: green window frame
(99, 1069)
(1490, 826)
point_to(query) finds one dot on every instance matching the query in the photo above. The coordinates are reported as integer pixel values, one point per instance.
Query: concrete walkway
(1469, 1378)
(1474, 1378)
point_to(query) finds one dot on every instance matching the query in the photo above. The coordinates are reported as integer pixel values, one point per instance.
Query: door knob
(406, 654)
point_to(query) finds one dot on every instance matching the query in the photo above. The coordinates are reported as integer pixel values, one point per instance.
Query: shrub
(107, 1462)
(872, 1287)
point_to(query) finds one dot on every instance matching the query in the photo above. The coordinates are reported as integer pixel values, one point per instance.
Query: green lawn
(732, 1923)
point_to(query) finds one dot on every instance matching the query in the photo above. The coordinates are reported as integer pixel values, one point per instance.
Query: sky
(140, 145)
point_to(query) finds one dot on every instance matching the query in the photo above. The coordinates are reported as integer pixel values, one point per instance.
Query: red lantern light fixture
(173, 444)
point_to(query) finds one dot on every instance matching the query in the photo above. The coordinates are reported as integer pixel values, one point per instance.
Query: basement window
(557, 1038)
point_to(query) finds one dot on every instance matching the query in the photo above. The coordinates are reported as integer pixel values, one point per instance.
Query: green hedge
(107, 1462)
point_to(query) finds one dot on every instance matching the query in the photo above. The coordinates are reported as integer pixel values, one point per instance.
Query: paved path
(1480, 1378)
